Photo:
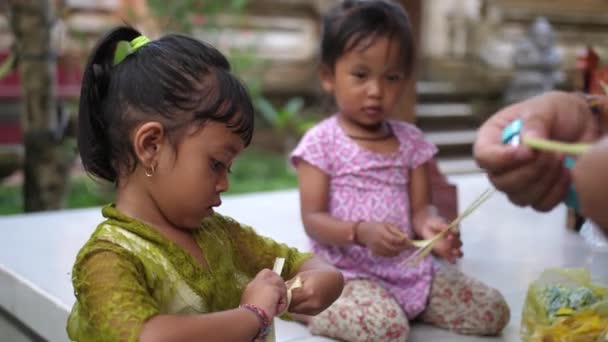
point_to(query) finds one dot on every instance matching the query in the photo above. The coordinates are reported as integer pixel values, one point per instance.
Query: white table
(505, 246)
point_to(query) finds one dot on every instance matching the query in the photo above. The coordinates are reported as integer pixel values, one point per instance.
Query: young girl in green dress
(163, 120)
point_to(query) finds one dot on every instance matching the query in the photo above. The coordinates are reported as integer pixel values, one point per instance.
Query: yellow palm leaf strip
(574, 149)
(427, 245)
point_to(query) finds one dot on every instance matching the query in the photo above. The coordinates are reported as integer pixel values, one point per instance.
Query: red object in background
(10, 133)
(586, 62)
(69, 77)
(594, 74)
(587, 59)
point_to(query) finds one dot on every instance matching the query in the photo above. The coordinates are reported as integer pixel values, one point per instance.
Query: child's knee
(379, 320)
(495, 313)
(386, 322)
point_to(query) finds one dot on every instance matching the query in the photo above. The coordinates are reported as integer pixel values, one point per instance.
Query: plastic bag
(563, 306)
(594, 235)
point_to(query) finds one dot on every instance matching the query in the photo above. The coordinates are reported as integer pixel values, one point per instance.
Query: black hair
(176, 80)
(350, 22)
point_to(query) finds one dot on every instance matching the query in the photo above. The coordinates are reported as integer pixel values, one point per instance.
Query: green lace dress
(127, 272)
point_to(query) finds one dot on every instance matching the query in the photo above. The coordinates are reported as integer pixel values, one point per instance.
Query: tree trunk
(47, 152)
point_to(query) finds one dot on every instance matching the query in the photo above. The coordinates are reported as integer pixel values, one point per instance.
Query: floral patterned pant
(367, 312)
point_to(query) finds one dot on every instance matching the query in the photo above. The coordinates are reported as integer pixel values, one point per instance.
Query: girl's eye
(394, 77)
(218, 166)
(360, 75)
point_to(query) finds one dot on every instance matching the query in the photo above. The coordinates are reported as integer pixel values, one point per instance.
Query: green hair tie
(124, 48)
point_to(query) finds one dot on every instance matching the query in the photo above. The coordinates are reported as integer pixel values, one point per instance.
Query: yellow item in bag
(564, 306)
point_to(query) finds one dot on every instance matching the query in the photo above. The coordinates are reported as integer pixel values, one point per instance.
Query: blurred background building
(466, 58)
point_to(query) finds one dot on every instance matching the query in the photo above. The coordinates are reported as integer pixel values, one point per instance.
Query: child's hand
(382, 239)
(266, 291)
(448, 248)
(318, 290)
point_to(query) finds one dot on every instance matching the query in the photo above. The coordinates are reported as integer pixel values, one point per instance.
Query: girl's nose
(223, 184)
(374, 89)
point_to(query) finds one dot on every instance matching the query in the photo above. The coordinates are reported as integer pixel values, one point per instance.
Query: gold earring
(151, 172)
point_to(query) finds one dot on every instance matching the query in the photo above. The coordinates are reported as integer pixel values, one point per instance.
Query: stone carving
(536, 62)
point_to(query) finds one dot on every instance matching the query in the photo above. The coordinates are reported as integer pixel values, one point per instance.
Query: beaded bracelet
(262, 317)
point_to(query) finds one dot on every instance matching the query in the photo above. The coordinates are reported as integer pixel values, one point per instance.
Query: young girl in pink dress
(364, 192)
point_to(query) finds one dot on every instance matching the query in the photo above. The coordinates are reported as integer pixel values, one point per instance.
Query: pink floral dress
(370, 186)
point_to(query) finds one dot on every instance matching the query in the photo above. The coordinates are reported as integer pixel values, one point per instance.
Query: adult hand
(538, 179)
(589, 177)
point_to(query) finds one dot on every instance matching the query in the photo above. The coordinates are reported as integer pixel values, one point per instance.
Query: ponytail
(93, 127)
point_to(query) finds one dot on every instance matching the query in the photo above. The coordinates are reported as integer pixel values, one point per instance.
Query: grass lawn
(255, 170)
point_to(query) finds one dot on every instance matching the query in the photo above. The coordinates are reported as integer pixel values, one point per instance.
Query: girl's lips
(373, 110)
(216, 204)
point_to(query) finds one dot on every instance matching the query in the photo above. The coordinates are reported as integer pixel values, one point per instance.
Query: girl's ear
(326, 74)
(147, 141)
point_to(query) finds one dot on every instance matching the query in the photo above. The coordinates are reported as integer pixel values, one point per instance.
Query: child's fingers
(389, 248)
(278, 283)
(454, 241)
(437, 226)
(282, 304)
(386, 250)
(454, 256)
(449, 249)
(455, 249)
(446, 252)
(455, 233)
(393, 247)
(396, 245)
(394, 236)
(396, 232)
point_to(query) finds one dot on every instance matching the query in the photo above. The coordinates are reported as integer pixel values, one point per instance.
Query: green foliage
(87, 192)
(255, 170)
(250, 69)
(84, 192)
(11, 200)
(10, 161)
(183, 14)
(286, 119)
